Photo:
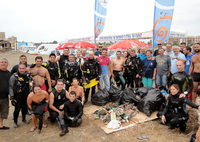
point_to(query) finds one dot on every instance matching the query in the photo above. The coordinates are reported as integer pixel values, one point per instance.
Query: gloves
(98, 77)
(13, 101)
(87, 80)
(75, 120)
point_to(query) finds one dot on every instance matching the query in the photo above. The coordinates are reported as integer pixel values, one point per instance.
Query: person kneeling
(73, 110)
(37, 102)
(175, 111)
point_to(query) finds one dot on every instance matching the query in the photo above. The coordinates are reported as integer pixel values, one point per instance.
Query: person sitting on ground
(179, 115)
(79, 90)
(73, 110)
(57, 99)
(37, 102)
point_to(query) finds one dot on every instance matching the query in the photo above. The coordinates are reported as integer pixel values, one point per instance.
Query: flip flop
(44, 126)
(33, 129)
(4, 128)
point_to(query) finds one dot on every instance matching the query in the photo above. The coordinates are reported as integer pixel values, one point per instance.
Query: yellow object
(21, 79)
(92, 83)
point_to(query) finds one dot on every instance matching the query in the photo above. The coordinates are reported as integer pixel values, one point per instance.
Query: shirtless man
(39, 74)
(117, 68)
(195, 66)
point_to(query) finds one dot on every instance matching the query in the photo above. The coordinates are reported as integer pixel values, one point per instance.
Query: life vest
(63, 60)
(92, 67)
(71, 69)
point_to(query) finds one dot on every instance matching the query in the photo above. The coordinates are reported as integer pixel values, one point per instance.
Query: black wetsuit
(53, 72)
(134, 69)
(71, 71)
(19, 89)
(80, 74)
(15, 68)
(91, 69)
(179, 115)
(183, 80)
(59, 99)
(73, 110)
(63, 60)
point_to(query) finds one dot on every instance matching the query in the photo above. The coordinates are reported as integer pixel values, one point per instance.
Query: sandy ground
(88, 131)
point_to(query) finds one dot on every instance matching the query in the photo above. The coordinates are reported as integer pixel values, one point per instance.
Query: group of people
(59, 88)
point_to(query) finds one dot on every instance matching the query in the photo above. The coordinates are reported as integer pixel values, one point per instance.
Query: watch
(185, 92)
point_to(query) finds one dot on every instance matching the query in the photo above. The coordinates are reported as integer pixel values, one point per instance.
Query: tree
(55, 42)
(175, 43)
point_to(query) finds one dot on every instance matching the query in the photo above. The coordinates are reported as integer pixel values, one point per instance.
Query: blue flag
(99, 16)
(163, 14)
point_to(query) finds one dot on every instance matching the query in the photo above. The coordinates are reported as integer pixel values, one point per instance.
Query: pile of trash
(114, 115)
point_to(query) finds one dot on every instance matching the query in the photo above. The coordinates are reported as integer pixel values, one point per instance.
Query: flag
(99, 16)
(163, 14)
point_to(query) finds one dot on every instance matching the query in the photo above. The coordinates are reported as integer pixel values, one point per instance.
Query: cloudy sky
(45, 20)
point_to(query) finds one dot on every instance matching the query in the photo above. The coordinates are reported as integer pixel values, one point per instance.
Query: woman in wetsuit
(37, 102)
(78, 89)
(175, 111)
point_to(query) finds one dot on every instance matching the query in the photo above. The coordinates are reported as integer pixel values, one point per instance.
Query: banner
(99, 16)
(163, 14)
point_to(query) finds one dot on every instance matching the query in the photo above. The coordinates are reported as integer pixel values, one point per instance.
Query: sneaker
(15, 125)
(25, 121)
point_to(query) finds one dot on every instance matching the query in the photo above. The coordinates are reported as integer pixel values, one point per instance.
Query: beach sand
(88, 131)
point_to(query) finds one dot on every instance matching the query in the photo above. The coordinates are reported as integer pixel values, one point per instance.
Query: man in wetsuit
(19, 88)
(57, 99)
(79, 61)
(92, 70)
(22, 60)
(117, 69)
(134, 65)
(71, 71)
(53, 69)
(62, 60)
(4, 91)
(182, 79)
(39, 74)
(73, 110)
(195, 66)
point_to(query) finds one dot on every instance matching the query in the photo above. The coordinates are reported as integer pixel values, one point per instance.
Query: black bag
(100, 98)
(128, 96)
(151, 102)
(115, 94)
(143, 74)
(142, 91)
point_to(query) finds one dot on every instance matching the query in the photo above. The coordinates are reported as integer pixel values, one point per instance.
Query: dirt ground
(88, 131)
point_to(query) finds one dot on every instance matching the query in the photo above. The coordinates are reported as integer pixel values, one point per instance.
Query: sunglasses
(100, 46)
(159, 44)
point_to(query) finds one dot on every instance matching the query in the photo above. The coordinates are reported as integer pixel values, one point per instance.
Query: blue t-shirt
(142, 57)
(193, 53)
(188, 63)
(173, 62)
(171, 54)
(98, 53)
(150, 70)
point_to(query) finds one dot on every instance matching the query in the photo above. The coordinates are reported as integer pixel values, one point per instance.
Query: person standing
(143, 54)
(138, 50)
(169, 51)
(19, 87)
(117, 69)
(149, 70)
(105, 65)
(187, 51)
(91, 70)
(125, 75)
(156, 51)
(99, 51)
(4, 91)
(182, 46)
(62, 60)
(195, 66)
(79, 61)
(22, 60)
(178, 56)
(134, 65)
(163, 68)
(83, 54)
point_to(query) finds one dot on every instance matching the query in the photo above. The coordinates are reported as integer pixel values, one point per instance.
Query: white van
(44, 49)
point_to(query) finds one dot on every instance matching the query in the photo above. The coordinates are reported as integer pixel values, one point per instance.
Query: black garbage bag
(128, 96)
(100, 98)
(142, 91)
(151, 102)
(115, 94)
